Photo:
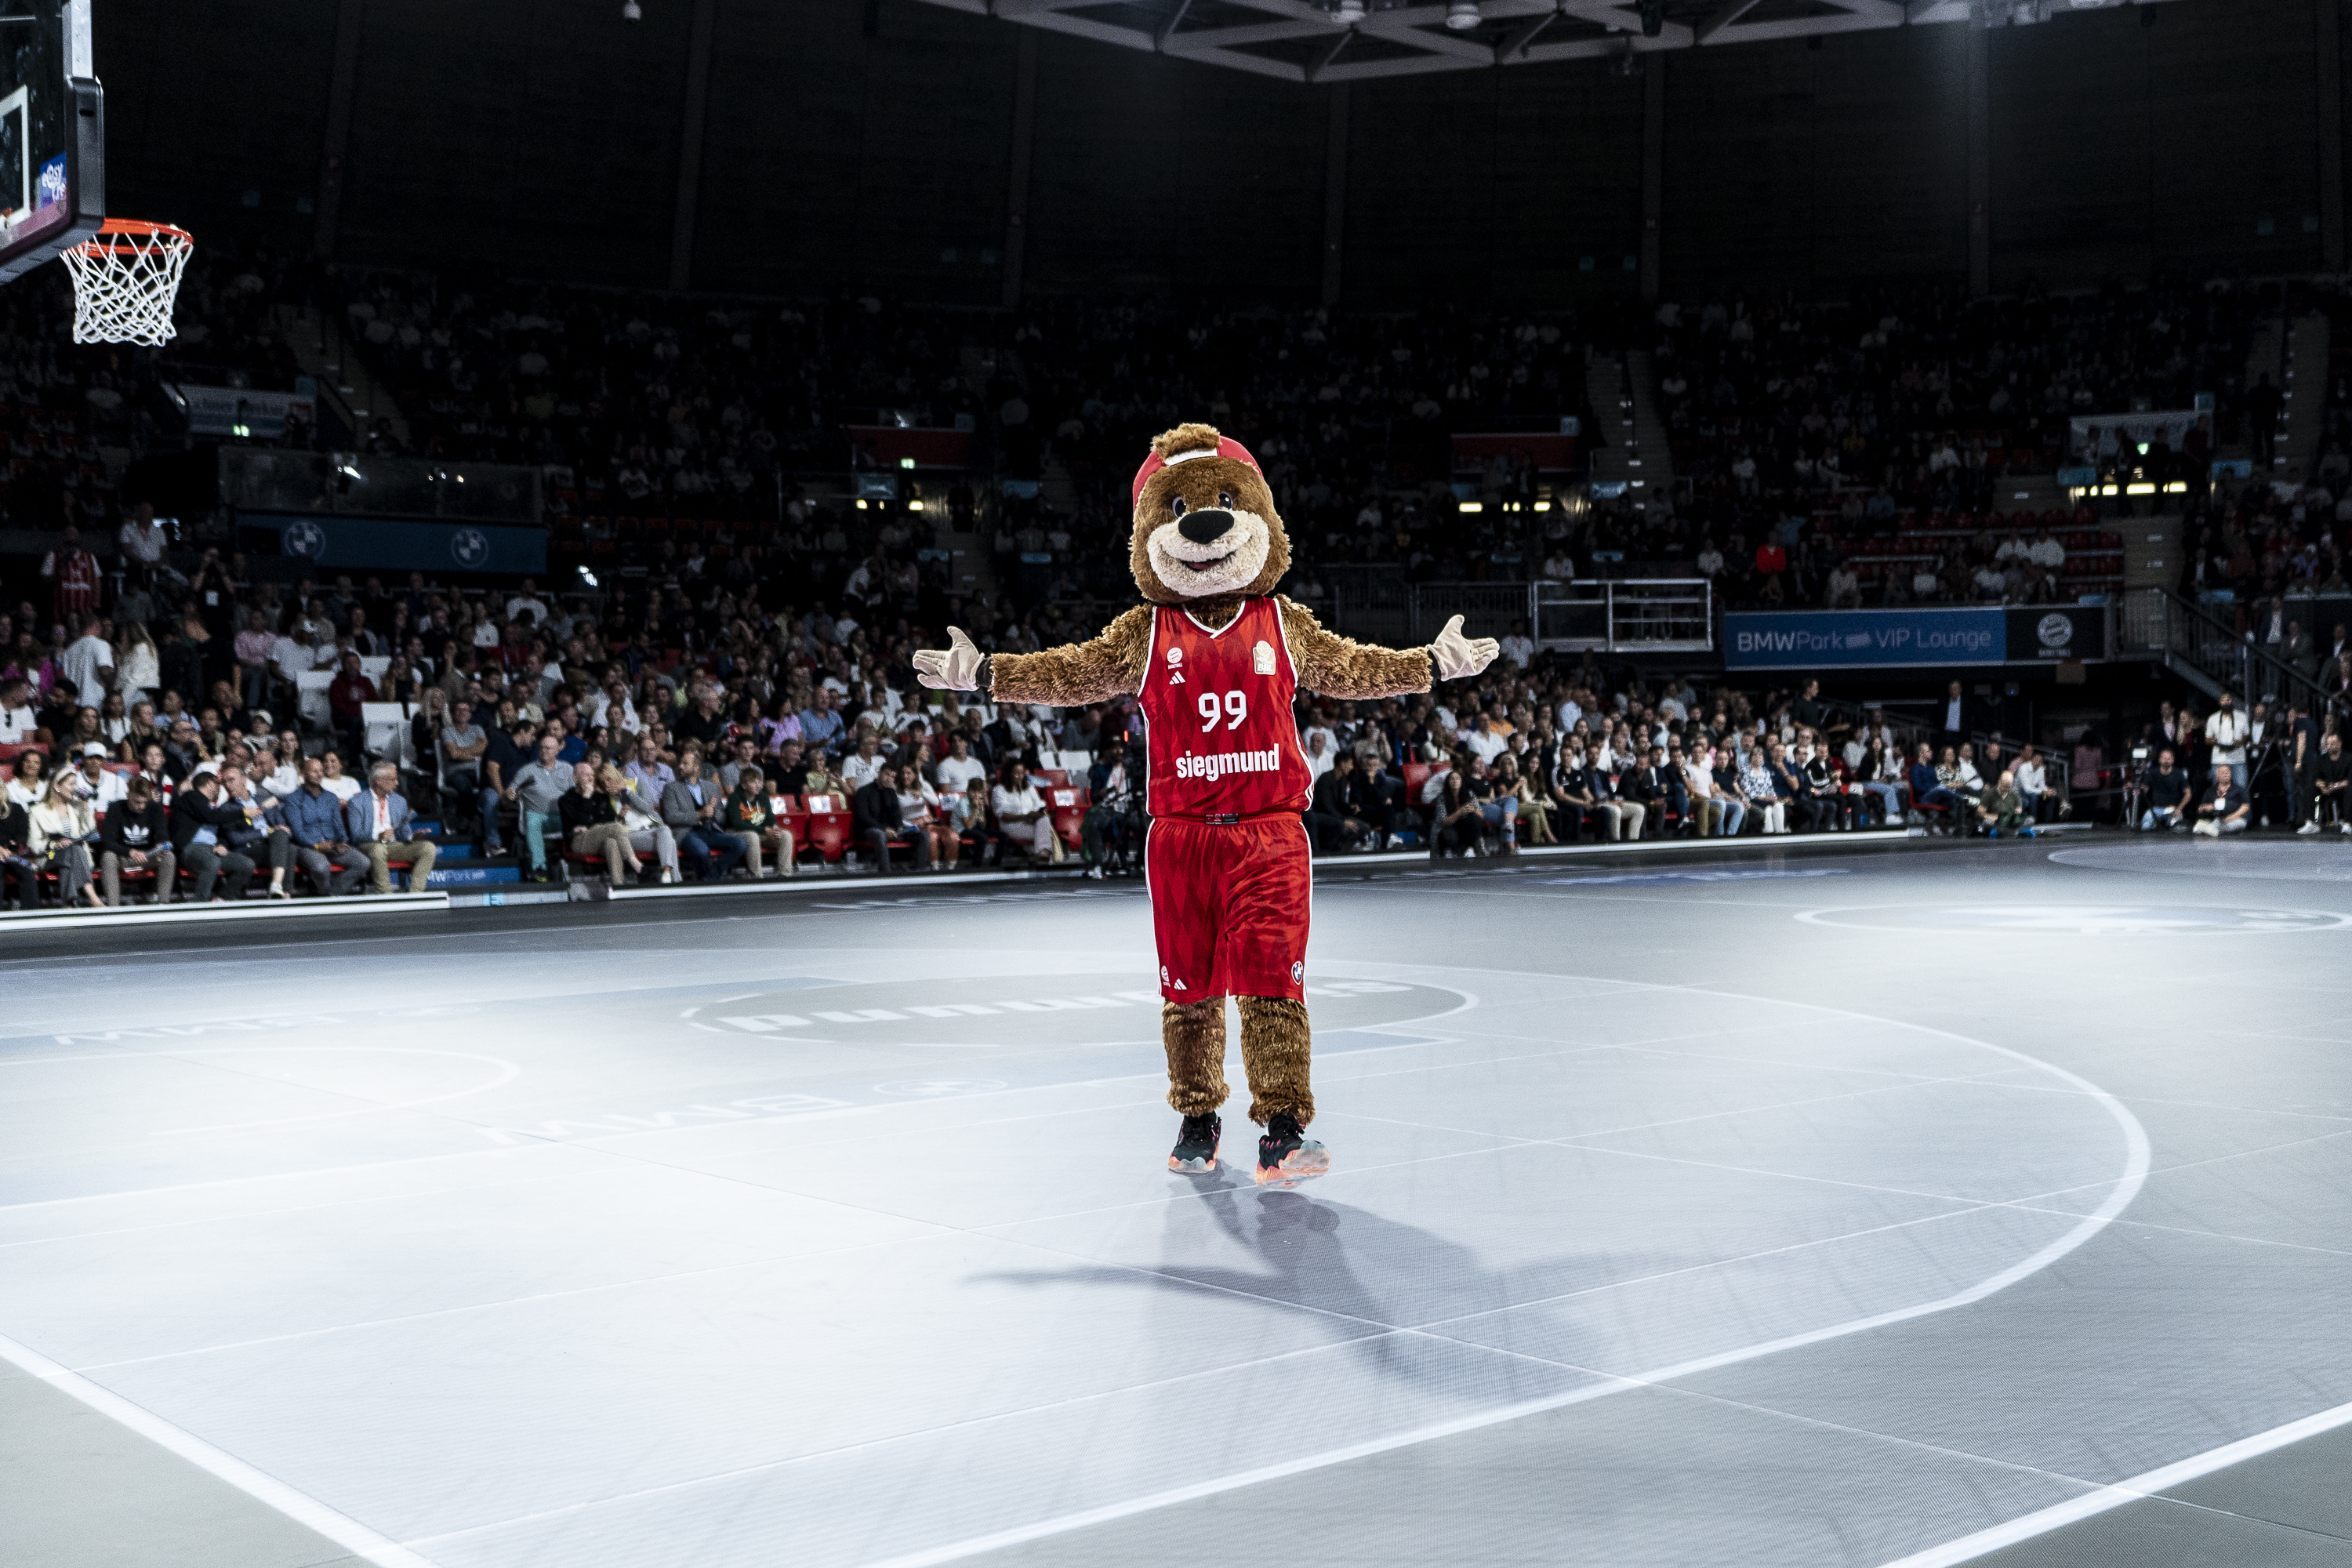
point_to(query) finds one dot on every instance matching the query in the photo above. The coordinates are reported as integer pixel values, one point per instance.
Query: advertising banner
(240, 411)
(374, 544)
(2172, 424)
(1861, 639)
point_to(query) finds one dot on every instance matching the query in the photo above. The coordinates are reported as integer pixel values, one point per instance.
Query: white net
(125, 279)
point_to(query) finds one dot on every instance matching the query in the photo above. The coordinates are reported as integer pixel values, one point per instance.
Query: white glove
(956, 668)
(1453, 655)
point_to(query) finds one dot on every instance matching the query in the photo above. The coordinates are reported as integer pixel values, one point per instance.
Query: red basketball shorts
(1229, 906)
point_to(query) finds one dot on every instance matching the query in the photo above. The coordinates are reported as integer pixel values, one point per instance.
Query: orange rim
(134, 235)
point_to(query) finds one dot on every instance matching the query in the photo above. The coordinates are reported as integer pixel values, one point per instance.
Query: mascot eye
(1176, 505)
(1225, 500)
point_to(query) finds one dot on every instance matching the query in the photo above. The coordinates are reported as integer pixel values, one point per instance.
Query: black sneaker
(1286, 1156)
(1196, 1145)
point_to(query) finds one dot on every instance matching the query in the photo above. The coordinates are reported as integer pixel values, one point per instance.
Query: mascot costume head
(1213, 659)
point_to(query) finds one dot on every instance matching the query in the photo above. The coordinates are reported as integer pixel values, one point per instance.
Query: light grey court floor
(1916, 1205)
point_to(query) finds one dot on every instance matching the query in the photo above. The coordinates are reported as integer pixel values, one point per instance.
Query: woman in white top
(921, 808)
(31, 782)
(337, 782)
(61, 825)
(138, 670)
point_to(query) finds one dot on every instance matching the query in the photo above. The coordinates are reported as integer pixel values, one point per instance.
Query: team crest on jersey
(1262, 657)
(1175, 666)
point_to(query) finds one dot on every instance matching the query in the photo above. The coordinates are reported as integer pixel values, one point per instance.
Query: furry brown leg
(1194, 1034)
(1276, 1044)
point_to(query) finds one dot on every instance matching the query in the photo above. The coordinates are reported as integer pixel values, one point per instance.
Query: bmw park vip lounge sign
(1857, 639)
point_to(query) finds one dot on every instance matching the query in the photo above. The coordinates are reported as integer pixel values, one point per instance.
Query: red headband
(1226, 447)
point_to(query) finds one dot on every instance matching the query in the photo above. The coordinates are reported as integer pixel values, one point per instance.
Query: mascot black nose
(1203, 526)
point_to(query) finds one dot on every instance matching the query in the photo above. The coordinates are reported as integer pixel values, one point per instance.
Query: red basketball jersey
(1216, 705)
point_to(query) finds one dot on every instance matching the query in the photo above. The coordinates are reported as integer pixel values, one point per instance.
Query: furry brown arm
(1336, 666)
(1076, 674)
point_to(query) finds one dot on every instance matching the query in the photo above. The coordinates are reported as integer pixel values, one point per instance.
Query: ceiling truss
(1303, 41)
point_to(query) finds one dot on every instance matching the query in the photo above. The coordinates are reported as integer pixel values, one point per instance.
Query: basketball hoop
(125, 277)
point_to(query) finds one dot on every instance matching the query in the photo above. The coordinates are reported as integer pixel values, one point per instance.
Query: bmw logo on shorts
(1298, 973)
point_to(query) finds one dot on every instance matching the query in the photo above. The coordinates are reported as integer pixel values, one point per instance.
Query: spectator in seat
(462, 744)
(64, 832)
(2002, 808)
(751, 821)
(1832, 807)
(1381, 800)
(253, 647)
(648, 833)
(1455, 822)
(1616, 820)
(384, 828)
(262, 833)
(1879, 775)
(1107, 829)
(314, 822)
(960, 770)
(1758, 784)
(2168, 794)
(1330, 824)
(336, 782)
(1498, 808)
(1657, 787)
(2033, 782)
(690, 808)
(1020, 816)
(1927, 789)
(1707, 812)
(592, 825)
(2331, 774)
(1572, 792)
(135, 836)
(2226, 809)
(1534, 804)
(20, 874)
(200, 825)
(865, 764)
(1736, 806)
(346, 694)
(879, 822)
(822, 779)
(536, 788)
(920, 807)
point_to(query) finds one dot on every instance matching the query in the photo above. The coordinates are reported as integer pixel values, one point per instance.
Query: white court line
(359, 1539)
(302, 1507)
(2138, 1488)
(2126, 1188)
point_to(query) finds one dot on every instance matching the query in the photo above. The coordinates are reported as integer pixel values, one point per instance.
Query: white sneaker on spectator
(2308, 827)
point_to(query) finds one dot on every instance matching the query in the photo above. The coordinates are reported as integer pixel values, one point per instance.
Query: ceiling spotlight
(632, 12)
(1462, 15)
(1349, 13)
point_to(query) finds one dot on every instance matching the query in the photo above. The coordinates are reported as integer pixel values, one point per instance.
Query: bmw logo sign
(304, 538)
(469, 547)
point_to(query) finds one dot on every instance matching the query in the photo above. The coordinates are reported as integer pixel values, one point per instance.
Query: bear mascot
(1215, 659)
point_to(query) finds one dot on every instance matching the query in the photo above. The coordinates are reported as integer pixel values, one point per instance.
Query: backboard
(52, 133)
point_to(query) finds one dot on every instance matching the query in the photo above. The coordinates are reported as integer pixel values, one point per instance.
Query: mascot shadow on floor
(1215, 658)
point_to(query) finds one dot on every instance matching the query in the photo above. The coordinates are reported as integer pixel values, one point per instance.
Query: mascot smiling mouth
(1210, 551)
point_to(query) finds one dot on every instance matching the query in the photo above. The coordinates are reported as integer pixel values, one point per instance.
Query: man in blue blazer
(384, 830)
